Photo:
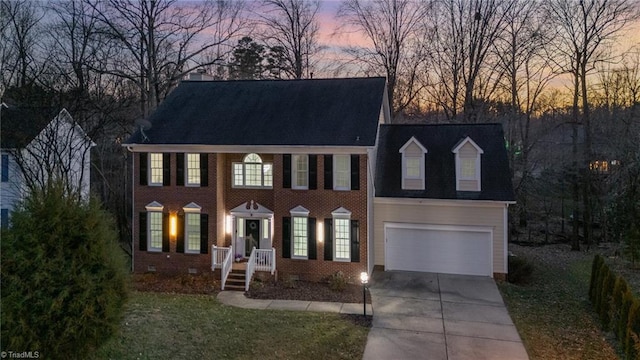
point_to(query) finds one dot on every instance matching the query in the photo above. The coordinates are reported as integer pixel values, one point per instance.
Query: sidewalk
(237, 299)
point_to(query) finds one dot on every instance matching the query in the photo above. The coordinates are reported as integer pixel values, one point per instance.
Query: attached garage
(442, 194)
(439, 249)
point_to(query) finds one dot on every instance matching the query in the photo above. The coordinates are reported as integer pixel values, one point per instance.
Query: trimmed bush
(619, 288)
(63, 276)
(520, 270)
(595, 269)
(605, 299)
(602, 274)
(338, 282)
(627, 301)
(633, 331)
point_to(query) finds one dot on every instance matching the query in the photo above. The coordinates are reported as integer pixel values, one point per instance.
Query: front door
(252, 235)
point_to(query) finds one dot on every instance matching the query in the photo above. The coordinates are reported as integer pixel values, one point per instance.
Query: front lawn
(552, 313)
(179, 326)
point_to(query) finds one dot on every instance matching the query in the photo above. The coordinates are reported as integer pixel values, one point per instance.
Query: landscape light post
(364, 279)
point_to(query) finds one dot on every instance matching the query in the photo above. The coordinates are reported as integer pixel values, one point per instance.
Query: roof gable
(440, 167)
(317, 112)
(20, 125)
(413, 141)
(465, 141)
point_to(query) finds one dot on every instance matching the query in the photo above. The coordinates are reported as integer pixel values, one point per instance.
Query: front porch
(237, 275)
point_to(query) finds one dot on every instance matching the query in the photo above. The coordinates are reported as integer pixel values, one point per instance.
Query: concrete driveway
(439, 316)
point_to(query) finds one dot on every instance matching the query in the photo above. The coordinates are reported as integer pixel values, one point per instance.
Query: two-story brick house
(282, 166)
(307, 178)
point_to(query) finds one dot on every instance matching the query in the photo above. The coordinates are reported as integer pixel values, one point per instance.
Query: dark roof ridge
(445, 124)
(281, 80)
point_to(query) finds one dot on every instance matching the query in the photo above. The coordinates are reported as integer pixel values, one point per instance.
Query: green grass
(553, 314)
(176, 326)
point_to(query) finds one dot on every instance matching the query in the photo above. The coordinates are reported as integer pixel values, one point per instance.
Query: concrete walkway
(440, 317)
(237, 299)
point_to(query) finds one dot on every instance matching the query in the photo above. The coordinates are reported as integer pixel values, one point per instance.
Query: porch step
(235, 281)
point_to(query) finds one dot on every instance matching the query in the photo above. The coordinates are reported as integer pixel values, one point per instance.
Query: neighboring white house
(36, 145)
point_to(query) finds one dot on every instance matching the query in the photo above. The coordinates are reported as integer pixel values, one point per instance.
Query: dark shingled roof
(440, 182)
(340, 112)
(20, 125)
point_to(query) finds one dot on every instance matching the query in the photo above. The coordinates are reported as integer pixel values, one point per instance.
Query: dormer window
(413, 172)
(467, 158)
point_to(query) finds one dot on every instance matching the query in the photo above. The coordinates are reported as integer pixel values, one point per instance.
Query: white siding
(440, 212)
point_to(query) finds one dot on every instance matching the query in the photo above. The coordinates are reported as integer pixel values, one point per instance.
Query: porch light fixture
(320, 231)
(173, 225)
(364, 279)
(228, 224)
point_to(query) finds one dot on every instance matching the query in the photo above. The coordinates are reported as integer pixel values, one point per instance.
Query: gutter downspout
(133, 250)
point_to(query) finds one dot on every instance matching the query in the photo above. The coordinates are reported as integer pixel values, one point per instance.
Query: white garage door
(438, 249)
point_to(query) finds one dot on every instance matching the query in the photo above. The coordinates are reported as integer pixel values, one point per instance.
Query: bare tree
(464, 36)
(583, 28)
(74, 44)
(395, 30)
(19, 32)
(292, 26)
(164, 40)
(521, 56)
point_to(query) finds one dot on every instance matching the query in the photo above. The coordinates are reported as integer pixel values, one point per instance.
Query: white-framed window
(192, 228)
(155, 168)
(341, 234)
(193, 169)
(299, 232)
(300, 172)
(468, 168)
(468, 159)
(252, 172)
(413, 160)
(413, 168)
(154, 226)
(192, 232)
(341, 172)
(300, 237)
(342, 239)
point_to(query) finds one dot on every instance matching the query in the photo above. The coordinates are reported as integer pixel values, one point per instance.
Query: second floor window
(252, 172)
(468, 168)
(155, 169)
(193, 169)
(5, 167)
(342, 172)
(300, 172)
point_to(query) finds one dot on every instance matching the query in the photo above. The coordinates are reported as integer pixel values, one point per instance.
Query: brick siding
(221, 195)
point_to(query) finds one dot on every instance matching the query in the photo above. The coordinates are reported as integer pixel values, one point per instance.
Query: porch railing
(260, 260)
(221, 258)
(266, 260)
